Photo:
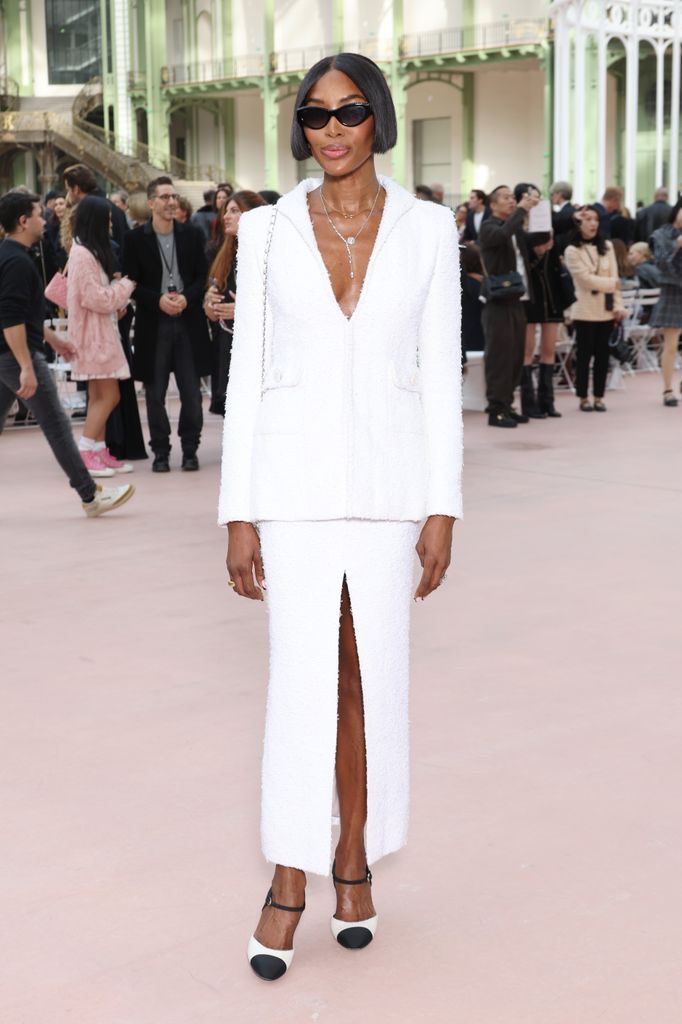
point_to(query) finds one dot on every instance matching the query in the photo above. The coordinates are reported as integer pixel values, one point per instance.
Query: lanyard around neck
(169, 267)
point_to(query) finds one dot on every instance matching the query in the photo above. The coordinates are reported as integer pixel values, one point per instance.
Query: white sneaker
(108, 498)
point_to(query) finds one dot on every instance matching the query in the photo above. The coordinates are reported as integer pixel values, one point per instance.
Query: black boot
(546, 391)
(529, 405)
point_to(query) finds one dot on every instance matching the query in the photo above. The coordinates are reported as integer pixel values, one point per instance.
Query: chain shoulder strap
(268, 243)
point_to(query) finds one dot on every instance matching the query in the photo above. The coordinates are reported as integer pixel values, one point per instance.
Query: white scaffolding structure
(655, 24)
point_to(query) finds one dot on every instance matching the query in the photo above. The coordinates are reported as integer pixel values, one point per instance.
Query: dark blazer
(563, 224)
(497, 248)
(142, 263)
(650, 218)
(470, 232)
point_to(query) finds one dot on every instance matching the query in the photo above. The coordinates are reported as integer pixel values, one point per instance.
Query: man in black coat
(80, 181)
(167, 261)
(478, 213)
(503, 249)
(652, 217)
(563, 212)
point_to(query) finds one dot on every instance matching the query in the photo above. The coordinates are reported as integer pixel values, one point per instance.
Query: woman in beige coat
(591, 260)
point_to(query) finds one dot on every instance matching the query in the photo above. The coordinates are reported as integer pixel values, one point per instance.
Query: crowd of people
(521, 286)
(147, 264)
(147, 287)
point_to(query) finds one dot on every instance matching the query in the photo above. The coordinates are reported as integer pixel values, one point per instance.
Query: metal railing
(493, 36)
(153, 159)
(247, 66)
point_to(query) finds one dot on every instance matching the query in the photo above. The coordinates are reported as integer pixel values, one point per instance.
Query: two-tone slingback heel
(271, 964)
(353, 934)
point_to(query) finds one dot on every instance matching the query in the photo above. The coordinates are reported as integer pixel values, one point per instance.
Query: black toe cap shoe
(270, 968)
(354, 938)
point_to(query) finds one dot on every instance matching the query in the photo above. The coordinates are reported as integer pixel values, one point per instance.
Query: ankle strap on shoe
(352, 881)
(269, 902)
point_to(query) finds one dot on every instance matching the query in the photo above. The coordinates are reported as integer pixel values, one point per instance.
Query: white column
(120, 42)
(660, 81)
(601, 112)
(631, 102)
(560, 60)
(674, 182)
(579, 119)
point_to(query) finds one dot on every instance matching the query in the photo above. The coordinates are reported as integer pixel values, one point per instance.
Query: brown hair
(224, 260)
(80, 176)
(621, 251)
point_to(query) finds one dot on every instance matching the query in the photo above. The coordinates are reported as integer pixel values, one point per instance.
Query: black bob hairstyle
(370, 82)
(91, 228)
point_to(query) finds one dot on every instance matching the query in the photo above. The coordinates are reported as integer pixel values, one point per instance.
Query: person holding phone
(220, 298)
(591, 261)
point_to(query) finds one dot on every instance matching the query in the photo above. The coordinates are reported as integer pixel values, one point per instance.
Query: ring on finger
(231, 583)
(444, 577)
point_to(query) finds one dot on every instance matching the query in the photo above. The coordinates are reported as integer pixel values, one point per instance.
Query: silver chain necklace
(352, 239)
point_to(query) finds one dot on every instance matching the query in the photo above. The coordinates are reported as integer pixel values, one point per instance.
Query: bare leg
(276, 927)
(354, 902)
(548, 338)
(103, 397)
(671, 337)
(530, 344)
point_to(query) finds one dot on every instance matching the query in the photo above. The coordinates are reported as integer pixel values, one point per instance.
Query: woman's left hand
(434, 548)
(619, 315)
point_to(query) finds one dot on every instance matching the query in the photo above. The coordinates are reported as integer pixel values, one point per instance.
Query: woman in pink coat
(94, 302)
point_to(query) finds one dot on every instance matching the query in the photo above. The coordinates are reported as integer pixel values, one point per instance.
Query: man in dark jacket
(80, 181)
(650, 218)
(563, 212)
(167, 261)
(478, 213)
(204, 217)
(503, 249)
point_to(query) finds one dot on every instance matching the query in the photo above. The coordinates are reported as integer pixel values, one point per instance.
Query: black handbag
(501, 287)
(618, 346)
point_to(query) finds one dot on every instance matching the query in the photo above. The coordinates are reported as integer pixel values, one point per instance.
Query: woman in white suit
(343, 433)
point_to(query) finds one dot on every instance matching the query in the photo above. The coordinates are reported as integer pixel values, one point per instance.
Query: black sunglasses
(350, 115)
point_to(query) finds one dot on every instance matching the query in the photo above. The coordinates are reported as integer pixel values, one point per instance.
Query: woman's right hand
(244, 560)
(216, 309)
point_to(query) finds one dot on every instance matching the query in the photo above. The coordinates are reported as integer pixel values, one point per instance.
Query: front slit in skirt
(305, 563)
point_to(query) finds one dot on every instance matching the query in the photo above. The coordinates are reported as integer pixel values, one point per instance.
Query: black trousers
(504, 327)
(592, 342)
(174, 355)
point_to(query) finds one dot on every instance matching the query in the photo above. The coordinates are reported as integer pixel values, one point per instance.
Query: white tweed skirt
(305, 564)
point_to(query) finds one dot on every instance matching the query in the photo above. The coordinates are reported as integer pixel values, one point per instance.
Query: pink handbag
(57, 288)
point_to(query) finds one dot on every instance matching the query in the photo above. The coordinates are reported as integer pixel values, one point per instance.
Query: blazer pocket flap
(280, 376)
(406, 377)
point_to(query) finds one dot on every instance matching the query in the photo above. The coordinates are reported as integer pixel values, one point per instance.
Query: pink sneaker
(113, 463)
(94, 464)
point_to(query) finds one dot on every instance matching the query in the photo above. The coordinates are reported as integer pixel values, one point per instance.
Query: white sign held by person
(540, 218)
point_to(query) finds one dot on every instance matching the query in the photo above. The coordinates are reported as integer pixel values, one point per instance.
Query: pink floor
(541, 884)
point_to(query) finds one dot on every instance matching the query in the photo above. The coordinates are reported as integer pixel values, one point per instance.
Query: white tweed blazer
(358, 417)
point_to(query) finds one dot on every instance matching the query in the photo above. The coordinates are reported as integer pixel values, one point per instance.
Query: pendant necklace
(352, 239)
